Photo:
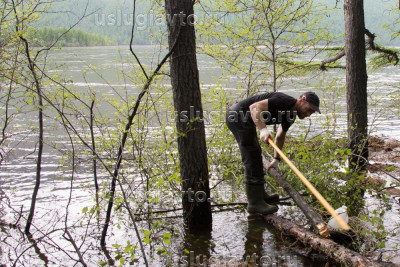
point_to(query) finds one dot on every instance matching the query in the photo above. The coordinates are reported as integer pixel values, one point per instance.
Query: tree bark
(356, 83)
(316, 220)
(188, 107)
(331, 249)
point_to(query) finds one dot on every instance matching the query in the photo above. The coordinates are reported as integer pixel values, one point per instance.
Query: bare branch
(131, 42)
(67, 232)
(122, 147)
(66, 32)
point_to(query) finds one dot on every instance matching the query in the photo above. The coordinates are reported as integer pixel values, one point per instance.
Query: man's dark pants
(245, 134)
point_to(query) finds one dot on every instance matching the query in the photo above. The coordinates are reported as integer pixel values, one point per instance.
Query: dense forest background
(113, 19)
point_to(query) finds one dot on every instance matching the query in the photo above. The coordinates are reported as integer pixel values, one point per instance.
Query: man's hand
(274, 164)
(264, 135)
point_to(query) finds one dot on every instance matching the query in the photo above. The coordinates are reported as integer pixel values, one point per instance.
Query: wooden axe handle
(314, 191)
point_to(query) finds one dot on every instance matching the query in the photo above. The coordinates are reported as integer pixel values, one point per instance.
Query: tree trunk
(315, 219)
(331, 249)
(356, 83)
(188, 107)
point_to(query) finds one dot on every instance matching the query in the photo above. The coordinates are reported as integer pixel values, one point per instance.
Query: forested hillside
(45, 36)
(113, 19)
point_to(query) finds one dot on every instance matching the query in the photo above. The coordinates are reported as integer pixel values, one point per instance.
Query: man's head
(307, 104)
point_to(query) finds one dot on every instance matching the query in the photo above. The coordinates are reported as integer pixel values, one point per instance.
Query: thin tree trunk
(274, 62)
(316, 220)
(36, 82)
(187, 101)
(356, 83)
(128, 125)
(94, 160)
(40, 149)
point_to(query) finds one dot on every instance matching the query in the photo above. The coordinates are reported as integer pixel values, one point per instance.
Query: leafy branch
(387, 56)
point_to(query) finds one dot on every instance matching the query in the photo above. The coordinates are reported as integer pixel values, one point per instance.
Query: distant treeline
(114, 19)
(75, 37)
(109, 18)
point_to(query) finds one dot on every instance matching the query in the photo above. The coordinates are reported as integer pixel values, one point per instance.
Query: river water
(234, 235)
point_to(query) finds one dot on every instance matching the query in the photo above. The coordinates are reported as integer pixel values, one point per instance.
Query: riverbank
(66, 37)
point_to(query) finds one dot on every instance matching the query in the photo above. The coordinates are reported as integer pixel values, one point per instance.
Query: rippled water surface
(234, 234)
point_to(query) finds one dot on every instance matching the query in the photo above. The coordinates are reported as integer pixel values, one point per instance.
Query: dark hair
(313, 100)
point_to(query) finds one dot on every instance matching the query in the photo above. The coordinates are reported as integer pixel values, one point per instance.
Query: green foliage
(383, 59)
(123, 254)
(373, 232)
(151, 173)
(321, 160)
(263, 40)
(66, 37)
(222, 151)
(392, 27)
(335, 49)
(17, 94)
(113, 19)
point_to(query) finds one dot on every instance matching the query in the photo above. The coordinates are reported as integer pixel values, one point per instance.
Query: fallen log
(331, 249)
(316, 220)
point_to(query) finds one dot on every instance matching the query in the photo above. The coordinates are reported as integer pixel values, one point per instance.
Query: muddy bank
(384, 163)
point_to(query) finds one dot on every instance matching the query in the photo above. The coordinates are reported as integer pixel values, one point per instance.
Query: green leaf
(381, 244)
(390, 168)
(363, 232)
(167, 238)
(128, 249)
(85, 209)
(146, 238)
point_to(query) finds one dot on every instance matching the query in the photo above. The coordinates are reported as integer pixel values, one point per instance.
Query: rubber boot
(273, 198)
(255, 198)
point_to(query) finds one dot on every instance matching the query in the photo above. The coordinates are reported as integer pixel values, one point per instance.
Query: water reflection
(265, 246)
(260, 246)
(197, 248)
(253, 245)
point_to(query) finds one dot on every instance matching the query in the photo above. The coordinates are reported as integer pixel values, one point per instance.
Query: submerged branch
(331, 249)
